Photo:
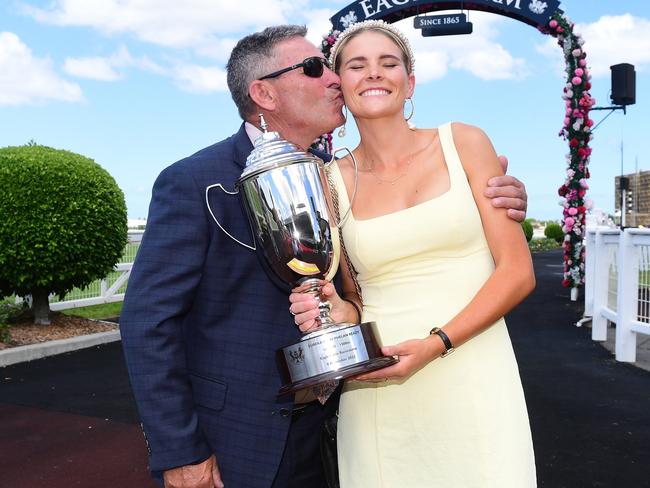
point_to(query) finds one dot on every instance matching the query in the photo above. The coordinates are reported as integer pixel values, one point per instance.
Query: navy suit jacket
(200, 326)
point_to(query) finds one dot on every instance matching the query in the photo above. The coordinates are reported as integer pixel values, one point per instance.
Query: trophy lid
(272, 151)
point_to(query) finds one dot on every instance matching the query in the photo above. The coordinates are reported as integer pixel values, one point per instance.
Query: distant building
(637, 199)
(136, 223)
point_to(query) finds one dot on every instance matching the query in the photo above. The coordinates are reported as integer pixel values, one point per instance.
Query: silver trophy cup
(288, 203)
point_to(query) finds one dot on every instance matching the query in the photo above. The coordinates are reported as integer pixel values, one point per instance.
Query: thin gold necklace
(408, 165)
(394, 180)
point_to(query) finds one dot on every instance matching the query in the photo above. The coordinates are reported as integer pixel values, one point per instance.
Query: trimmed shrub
(62, 223)
(528, 230)
(554, 231)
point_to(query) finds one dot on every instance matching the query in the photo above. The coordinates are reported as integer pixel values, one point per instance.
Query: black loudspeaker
(623, 84)
(624, 183)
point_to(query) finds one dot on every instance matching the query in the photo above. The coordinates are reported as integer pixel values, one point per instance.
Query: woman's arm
(512, 280)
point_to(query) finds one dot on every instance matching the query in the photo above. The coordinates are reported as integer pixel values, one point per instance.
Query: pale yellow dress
(461, 421)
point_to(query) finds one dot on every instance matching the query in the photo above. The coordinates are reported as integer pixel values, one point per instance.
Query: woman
(438, 267)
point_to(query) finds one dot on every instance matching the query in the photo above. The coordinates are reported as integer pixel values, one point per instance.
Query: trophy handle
(220, 186)
(356, 181)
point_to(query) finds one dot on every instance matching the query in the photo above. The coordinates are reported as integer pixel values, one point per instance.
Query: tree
(62, 223)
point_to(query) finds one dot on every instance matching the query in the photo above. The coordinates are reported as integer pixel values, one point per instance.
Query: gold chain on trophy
(335, 204)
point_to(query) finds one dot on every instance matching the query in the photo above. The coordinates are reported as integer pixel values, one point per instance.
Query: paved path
(69, 420)
(590, 415)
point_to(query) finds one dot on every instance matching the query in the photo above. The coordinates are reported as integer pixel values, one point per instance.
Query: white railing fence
(633, 292)
(617, 286)
(605, 275)
(110, 289)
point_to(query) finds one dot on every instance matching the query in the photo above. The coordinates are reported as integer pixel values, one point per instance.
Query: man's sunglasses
(312, 67)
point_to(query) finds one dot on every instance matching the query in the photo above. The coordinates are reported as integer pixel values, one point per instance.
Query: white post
(626, 303)
(590, 267)
(604, 254)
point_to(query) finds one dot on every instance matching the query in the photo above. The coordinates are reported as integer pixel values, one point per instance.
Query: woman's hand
(304, 307)
(413, 355)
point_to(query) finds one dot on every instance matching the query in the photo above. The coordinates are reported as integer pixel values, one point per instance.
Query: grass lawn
(99, 312)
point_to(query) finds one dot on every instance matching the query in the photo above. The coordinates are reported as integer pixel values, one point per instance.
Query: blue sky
(139, 84)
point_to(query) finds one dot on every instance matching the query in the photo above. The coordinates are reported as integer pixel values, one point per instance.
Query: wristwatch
(449, 347)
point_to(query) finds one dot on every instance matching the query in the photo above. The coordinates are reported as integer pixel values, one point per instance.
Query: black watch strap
(449, 347)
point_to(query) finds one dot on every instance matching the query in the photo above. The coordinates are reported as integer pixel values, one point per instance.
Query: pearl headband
(379, 25)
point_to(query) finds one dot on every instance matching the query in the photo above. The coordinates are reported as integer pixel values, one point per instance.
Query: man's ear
(263, 94)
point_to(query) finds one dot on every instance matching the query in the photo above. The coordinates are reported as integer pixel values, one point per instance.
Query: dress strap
(454, 166)
(339, 186)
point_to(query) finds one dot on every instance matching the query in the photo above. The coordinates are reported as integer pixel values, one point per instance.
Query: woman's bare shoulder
(468, 133)
(475, 150)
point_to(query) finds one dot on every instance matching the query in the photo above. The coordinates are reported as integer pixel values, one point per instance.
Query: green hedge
(62, 220)
(554, 231)
(528, 229)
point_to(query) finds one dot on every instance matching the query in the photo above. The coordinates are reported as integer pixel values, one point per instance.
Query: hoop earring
(412, 108)
(342, 131)
(408, 119)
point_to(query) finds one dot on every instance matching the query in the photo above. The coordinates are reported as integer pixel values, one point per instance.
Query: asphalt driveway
(70, 420)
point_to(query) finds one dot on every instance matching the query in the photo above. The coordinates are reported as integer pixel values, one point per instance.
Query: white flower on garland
(537, 6)
(575, 273)
(349, 19)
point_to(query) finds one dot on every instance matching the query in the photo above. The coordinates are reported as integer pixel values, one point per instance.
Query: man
(201, 320)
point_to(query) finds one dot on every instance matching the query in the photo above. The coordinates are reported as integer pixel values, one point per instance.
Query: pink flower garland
(577, 130)
(325, 142)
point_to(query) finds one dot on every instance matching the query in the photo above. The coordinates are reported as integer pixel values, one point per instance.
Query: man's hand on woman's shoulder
(508, 192)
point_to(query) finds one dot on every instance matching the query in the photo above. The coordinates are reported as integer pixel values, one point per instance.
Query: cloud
(616, 39)
(26, 79)
(318, 24)
(431, 65)
(192, 78)
(612, 39)
(215, 48)
(92, 68)
(109, 68)
(211, 28)
(200, 79)
(169, 23)
(479, 54)
(493, 64)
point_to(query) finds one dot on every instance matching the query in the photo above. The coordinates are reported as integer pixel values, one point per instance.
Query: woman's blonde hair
(380, 26)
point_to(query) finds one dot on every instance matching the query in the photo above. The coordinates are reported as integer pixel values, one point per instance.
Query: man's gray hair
(252, 58)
